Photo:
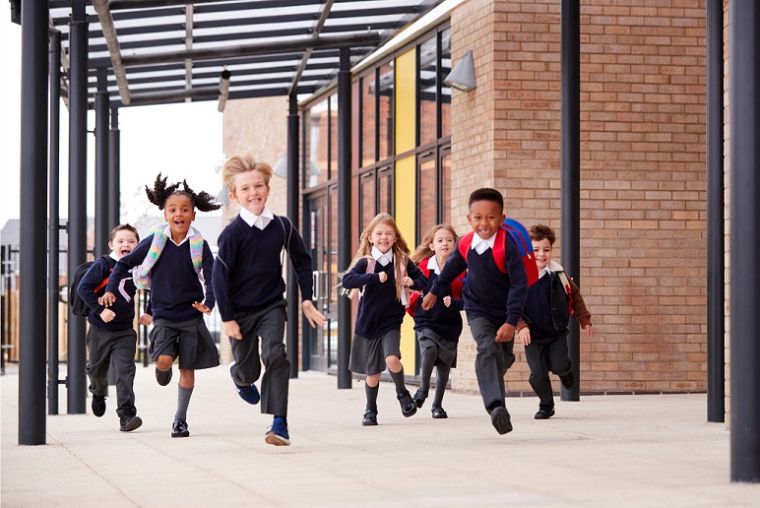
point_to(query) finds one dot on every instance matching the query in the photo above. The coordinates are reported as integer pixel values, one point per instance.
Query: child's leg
(124, 346)
(245, 352)
(99, 352)
(185, 391)
(274, 382)
(557, 356)
(536, 356)
(371, 387)
(429, 354)
(397, 372)
(490, 363)
(441, 380)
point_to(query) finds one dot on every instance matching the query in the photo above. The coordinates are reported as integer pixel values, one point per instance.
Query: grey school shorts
(188, 340)
(368, 355)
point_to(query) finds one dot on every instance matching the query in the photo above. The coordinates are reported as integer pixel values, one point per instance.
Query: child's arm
(208, 271)
(455, 265)
(418, 280)
(356, 278)
(226, 257)
(123, 266)
(518, 291)
(523, 331)
(97, 272)
(453, 303)
(579, 308)
(301, 260)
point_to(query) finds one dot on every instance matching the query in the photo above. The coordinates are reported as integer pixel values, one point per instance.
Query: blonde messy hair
(424, 251)
(400, 248)
(242, 163)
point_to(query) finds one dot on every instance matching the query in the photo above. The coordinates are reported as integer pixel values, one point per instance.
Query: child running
(249, 286)
(176, 263)
(383, 269)
(438, 329)
(111, 338)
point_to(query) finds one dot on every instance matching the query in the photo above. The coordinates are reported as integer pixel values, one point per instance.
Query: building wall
(643, 199)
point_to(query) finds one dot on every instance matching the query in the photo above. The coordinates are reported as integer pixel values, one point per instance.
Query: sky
(183, 141)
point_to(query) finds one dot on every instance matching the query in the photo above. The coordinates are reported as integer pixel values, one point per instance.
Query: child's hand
(107, 315)
(524, 335)
(107, 299)
(429, 301)
(382, 276)
(506, 333)
(202, 308)
(315, 317)
(145, 320)
(588, 330)
(407, 281)
(232, 329)
(447, 301)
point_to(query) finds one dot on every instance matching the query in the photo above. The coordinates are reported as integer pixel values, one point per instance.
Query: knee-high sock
(371, 393)
(183, 400)
(428, 359)
(398, 380)
(440, 384)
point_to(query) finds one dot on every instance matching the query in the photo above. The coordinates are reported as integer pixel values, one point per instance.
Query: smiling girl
(383, 268)
(176, 263)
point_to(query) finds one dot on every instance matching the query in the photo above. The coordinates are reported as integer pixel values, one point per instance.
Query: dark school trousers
(491, 362)
(544, 355)
(269, 324)
(118, 348)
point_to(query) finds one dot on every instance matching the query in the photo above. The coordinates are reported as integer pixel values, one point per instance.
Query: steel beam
(292, 193)
(570, 178)
(102, 222)
(114, 171)
(345, 246)
(32, 282)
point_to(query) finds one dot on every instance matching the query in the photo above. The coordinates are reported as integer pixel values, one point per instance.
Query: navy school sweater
(379, 309)
(446, 322)
(174, 283)
(124, 310)
(247, 270)
(538, 310)
(488, 292)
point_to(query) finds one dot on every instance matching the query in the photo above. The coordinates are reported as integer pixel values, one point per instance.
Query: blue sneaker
(278, 434)
(249, 393)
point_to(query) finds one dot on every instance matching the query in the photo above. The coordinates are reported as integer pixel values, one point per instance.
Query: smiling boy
(493, 300)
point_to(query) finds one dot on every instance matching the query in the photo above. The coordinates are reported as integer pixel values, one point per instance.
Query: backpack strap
(104, 282)
(568, 289)
(499, 250)
(286, 235)
(464, 244)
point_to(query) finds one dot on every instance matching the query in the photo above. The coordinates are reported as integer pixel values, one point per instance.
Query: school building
(420, 147)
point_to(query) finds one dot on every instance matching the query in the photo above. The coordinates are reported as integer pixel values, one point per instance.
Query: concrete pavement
(654, 450)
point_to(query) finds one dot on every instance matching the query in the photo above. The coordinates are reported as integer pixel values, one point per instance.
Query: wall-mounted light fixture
(462, 76)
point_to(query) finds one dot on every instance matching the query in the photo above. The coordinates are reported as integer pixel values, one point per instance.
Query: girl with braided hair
(175, 263)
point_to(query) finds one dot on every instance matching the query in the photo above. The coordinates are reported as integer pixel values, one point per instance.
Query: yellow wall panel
(406, 102)
(405, 219)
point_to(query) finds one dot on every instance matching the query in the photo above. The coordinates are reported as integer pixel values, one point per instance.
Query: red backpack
(519, 236)
(456, 287)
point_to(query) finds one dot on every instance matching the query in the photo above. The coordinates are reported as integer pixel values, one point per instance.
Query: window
(426, 79)
(445, 89)
(368, 120)
(446, 184)
(367, 198)
(333, 136)
(427, 201)
(385, 190)
(319, 123)
(385, 111)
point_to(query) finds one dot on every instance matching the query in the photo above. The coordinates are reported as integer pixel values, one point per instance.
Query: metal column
(76, 381)
(344, 212)
(744, 62)
(53, 220)
(716, 356)
(571, 168)
(31, 386)
(102, 220)
(114, 171)
(292, 192)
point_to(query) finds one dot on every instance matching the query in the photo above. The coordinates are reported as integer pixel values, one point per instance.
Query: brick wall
(642, 172)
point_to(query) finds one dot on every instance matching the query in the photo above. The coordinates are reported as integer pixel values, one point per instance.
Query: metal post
(292, 193)
(114, 171)
(716, 356)
(31, 386)
(344, 212)
(102, 188)
(571, 167)
(53, 221)
(76, 381)
(744, 62)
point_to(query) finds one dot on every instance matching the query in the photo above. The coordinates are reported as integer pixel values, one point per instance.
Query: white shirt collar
(477, 240)
(260, 221)
(381, 258)
(113, 256)
(545, 271)
(433, 266)
(168, 232)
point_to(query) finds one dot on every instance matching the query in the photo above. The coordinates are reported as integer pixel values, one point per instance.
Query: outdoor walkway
(600, 452)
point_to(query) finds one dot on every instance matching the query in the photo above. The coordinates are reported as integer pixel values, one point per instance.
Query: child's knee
(372, 380)
(393, 362)
(164, 362)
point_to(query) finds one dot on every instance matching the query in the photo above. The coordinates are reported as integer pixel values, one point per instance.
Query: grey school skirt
(368, 355)
(188, 340)
(446, 350)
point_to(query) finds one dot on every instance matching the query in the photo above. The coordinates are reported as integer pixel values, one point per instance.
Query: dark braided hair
(161, 192)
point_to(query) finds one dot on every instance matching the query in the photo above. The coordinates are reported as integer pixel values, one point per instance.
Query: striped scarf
(141, 274)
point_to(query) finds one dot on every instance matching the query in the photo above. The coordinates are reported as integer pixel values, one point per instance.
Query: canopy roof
(173, 51)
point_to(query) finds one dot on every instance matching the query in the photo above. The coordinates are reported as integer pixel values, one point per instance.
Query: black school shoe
(179, 429)
(544, 413)
(129, 423)
(98, 405)
(370, 418)
(420, 396)
(408, 407)
(163, 376)
(501, 420)
(439, 412)
(568, 380)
